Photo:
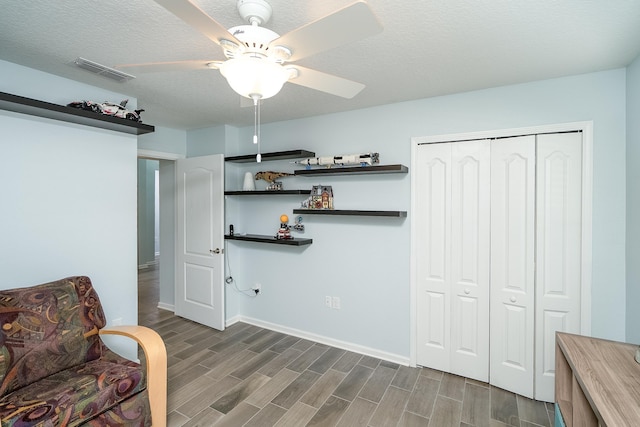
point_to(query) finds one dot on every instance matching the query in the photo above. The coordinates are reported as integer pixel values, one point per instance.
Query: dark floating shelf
(392, 214)
(276, 155)
(353, 170)
(33, 107)
(267, 193)
(269, 239)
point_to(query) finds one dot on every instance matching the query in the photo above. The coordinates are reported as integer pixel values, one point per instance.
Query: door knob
(216, 251)
(512, 299)
(467, 291)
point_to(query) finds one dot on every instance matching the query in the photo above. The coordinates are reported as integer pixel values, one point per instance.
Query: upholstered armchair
(55, 370)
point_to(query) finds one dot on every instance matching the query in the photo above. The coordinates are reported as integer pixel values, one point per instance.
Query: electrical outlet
(257, 288)
(327, 301)
(335, 303)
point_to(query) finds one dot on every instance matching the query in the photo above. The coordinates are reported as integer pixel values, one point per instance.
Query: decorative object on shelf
(249, 183)
(34, 107)
(109, 109)
(366, 159)
(298, 226)
(321, 198)
(271, 177)
(284, 232)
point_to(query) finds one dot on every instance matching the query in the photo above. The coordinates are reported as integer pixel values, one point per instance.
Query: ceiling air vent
(103, 70)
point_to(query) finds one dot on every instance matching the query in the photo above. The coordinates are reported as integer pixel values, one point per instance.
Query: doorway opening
(156, 193)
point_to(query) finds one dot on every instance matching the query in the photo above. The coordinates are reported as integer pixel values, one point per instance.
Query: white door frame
(587, 190)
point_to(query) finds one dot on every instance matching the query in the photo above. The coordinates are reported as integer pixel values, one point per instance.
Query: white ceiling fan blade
(349, 24)
(325, 82)
(160, 67)
(198, 19)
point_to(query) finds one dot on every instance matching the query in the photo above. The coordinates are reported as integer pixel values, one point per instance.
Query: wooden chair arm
(155, 354)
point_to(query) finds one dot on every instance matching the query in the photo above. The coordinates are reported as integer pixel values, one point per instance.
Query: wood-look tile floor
(250, 376)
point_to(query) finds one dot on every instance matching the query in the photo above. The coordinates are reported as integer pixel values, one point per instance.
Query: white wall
(365, 261)
(633, 202)
(68, 196)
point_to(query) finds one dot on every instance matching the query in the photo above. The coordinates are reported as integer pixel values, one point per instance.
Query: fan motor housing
(255, 12)
(256, 43)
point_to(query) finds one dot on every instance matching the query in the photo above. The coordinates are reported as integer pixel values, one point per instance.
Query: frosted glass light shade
(251, 77)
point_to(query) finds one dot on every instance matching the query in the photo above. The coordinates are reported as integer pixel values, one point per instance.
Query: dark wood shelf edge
(350, 212)
(276, 155)
(267, 193)
(34, 107)
(355, 170)
(269, 239)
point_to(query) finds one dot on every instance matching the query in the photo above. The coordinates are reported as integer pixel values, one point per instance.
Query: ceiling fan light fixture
(254, 77)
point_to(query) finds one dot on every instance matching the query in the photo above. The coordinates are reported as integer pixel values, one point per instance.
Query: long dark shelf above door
(269, 239)
(353, 170)
(267, 193)
(276, 155)
(33, 107)
(351, 212)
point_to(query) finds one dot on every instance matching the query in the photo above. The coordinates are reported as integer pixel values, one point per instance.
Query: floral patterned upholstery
(55, 369)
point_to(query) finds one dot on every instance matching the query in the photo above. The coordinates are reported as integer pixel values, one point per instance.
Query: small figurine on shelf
(284, 232)
(298, 226)
(321, 197)
(271, 177)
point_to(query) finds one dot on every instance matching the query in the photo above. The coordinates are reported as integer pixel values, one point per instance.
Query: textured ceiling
(427, 48)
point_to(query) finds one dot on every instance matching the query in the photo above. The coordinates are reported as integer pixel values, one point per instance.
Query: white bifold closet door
(513, 162)
(499, 257)
(558, 250)
(453, 272)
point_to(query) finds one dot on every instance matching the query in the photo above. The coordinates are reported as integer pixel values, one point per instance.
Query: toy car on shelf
(109, 109)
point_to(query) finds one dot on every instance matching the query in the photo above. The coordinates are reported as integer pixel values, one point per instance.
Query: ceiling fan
(259, 61)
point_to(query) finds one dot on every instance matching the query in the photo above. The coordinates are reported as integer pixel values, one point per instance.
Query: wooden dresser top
(608, 375)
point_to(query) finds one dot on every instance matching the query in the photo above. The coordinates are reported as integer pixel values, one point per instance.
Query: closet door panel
(433, 270)
(470, 209)
(512, 263)
(558, 249)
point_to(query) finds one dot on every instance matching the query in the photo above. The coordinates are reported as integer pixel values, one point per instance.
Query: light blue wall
(164, 140)
(167, 234)
(365, 261)
(68, 197)
(633, 202)
(146, 210)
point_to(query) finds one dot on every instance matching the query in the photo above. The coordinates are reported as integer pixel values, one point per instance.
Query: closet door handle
(467, 291)
(512, 299)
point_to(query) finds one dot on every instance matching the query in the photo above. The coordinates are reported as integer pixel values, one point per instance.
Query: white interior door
(470, 257)
(453, 266)
(558, 249)
(200, 240)
(433, 269)
(512, 264)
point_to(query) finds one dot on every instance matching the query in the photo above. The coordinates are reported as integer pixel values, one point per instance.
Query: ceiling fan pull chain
(259, 156)
(256, 126)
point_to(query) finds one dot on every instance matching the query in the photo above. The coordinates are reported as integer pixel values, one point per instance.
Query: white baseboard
(168, 307)
(367, 351)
